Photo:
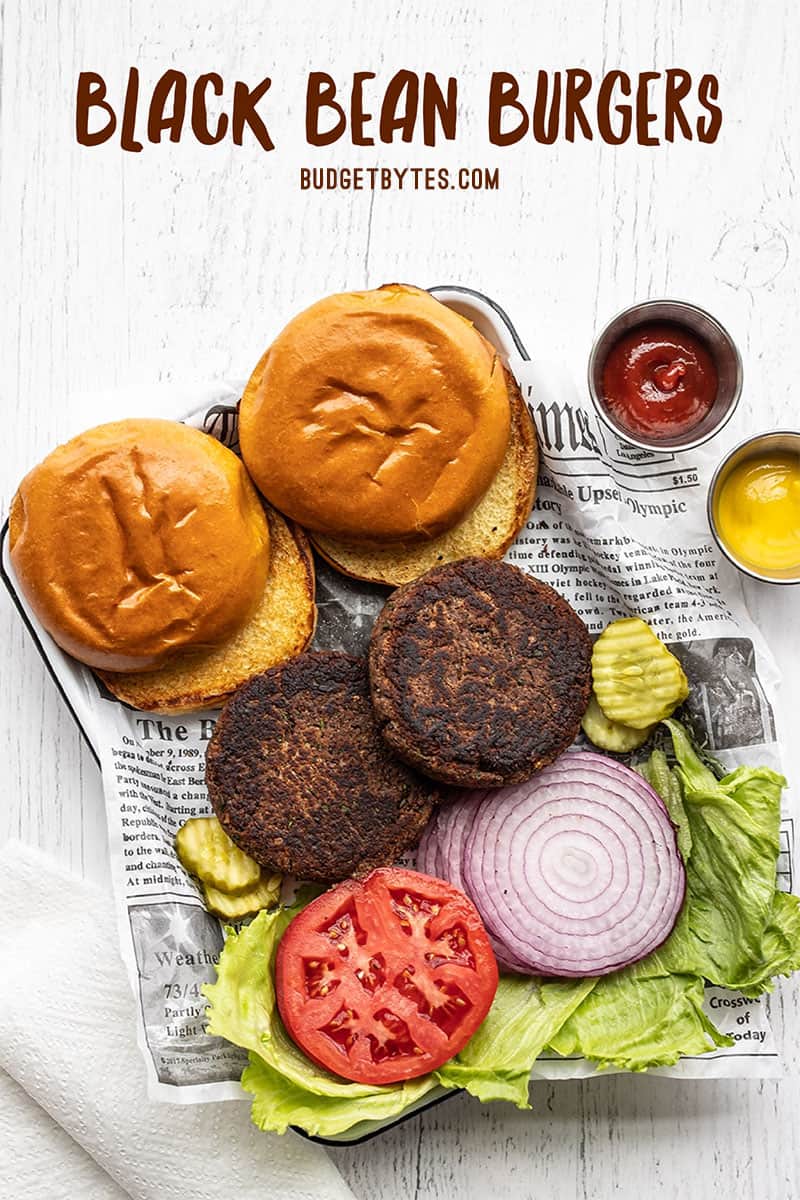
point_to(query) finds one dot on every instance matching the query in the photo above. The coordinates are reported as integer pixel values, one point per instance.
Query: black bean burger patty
(300, 778)
(480, 674)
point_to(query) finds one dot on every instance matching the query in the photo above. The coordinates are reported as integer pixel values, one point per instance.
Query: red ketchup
(659, 380)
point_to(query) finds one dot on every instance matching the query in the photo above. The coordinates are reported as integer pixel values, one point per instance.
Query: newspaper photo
(617, 531)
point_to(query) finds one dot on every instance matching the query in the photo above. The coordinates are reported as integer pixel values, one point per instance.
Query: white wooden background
(179, 263)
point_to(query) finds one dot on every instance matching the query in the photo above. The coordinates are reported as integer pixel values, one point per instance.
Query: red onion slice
(440, 853)
(456, 828)
(429, 858)
(651, 803)
(575, 872)
(504, 957)
(548, 947)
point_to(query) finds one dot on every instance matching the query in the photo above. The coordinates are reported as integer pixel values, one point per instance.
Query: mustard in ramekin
(754, 506)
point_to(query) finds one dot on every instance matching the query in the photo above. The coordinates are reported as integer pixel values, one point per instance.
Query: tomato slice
(385, 978)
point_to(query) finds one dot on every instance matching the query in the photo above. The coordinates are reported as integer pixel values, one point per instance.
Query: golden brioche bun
(487, 531)
(138, 540)
(281, 626)
(376, 417)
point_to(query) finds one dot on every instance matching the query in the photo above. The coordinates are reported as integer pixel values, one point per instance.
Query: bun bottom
(486, 532)
(282, 626)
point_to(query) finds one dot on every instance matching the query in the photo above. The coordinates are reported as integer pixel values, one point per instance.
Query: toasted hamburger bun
(281, 626)
(376, 417)
(486, 532)
(137, 541)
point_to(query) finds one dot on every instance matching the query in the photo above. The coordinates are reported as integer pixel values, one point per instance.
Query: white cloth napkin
(67, 1037)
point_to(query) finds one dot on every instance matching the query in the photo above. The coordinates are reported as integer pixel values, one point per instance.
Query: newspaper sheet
(615, 529)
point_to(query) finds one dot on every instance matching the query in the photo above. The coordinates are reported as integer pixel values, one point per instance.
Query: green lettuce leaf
(735, 929)
(288, 1089)
(658, 774)
(497, 1061)
(780, 947)
(638, 1018)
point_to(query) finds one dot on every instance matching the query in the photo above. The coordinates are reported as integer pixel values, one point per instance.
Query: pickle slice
(263, 894)
(206, 851)
(611, 735)
(636, 679)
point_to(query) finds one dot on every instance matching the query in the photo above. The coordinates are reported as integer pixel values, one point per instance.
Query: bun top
(376, 417)
(137, 540)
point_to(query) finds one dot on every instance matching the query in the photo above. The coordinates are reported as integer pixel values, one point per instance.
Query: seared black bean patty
(480, 674)
(301, 780)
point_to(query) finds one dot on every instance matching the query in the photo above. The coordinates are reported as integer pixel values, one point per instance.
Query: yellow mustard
(758, 512)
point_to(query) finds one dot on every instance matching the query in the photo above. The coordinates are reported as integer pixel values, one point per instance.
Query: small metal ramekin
(781, 440)
(723, 350)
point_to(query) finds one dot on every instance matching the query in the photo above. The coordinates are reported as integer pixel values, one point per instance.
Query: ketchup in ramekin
(659, 380)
